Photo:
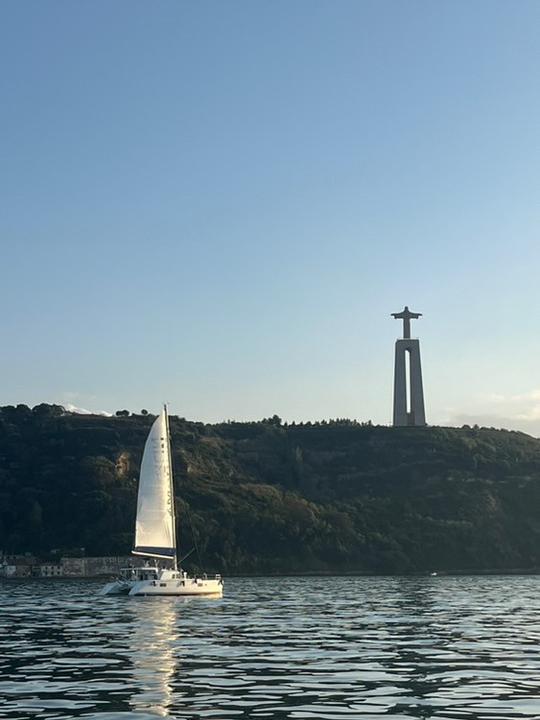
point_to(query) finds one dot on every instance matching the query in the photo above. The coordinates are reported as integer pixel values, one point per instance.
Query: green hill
(267, 497)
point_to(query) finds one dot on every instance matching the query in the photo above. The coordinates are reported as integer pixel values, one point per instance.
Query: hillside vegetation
(267, 497)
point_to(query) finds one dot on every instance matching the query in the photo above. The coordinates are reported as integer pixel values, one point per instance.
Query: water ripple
(278, 649)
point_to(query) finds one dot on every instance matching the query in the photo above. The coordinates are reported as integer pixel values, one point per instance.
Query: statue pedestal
(408, 391)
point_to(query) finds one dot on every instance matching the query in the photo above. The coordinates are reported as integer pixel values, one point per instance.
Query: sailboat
(155, 530)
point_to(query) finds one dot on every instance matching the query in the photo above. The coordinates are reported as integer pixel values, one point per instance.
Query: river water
(275, 648)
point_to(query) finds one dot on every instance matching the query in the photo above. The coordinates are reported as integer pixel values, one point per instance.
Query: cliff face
(263, 497)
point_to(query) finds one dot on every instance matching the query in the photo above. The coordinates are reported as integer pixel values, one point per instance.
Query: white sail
(155, 534)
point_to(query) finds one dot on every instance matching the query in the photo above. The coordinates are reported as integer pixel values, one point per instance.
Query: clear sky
(219, 204)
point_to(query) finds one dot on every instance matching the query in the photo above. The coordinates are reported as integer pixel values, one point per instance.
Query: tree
(45, 410)
(274, 420)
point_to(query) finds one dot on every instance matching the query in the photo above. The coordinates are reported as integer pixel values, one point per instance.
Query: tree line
(270, 497)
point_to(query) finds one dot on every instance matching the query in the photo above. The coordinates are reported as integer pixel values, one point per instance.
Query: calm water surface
(466, 647)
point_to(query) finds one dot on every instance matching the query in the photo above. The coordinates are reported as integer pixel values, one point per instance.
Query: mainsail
(155, 534)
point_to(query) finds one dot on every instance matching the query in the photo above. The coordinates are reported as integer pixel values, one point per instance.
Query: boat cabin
(147, 572)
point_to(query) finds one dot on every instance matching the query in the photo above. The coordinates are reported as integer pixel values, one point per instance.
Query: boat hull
(118, 587)
(165, 582)
(190, 587)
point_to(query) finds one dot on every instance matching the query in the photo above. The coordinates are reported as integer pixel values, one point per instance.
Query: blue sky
(219, 204)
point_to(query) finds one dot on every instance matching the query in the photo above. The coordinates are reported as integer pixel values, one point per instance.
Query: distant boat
(155, 529)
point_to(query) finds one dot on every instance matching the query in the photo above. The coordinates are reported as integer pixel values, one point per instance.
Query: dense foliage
(268, 497)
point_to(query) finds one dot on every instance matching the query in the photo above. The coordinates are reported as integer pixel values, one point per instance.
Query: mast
(171, 485)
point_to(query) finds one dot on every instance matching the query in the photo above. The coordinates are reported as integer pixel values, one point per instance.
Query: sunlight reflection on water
(275, 648)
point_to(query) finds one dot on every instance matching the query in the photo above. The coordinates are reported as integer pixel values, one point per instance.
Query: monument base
(408, 392)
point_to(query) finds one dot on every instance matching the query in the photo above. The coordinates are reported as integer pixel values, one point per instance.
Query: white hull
(118, 587)
(205, 588)
(167, 582)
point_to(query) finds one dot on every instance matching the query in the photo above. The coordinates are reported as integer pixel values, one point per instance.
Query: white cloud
(512, 412)
(83, 411)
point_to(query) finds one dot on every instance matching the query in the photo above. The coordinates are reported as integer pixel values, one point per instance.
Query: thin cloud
(511, 412)
(83, 411)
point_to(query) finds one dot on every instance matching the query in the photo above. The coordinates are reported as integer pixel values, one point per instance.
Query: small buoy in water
(433, 574)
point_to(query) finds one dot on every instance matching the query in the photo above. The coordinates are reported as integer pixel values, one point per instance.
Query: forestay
(155, 526)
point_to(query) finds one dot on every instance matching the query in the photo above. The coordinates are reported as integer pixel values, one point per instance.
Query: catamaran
(155, 529)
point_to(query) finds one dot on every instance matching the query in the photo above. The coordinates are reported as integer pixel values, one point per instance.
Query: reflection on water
(447, 648)
(154, 628)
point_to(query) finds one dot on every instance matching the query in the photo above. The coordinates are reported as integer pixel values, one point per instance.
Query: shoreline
(320, 574)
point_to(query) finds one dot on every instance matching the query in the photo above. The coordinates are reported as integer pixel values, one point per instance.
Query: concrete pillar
(414, 414)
